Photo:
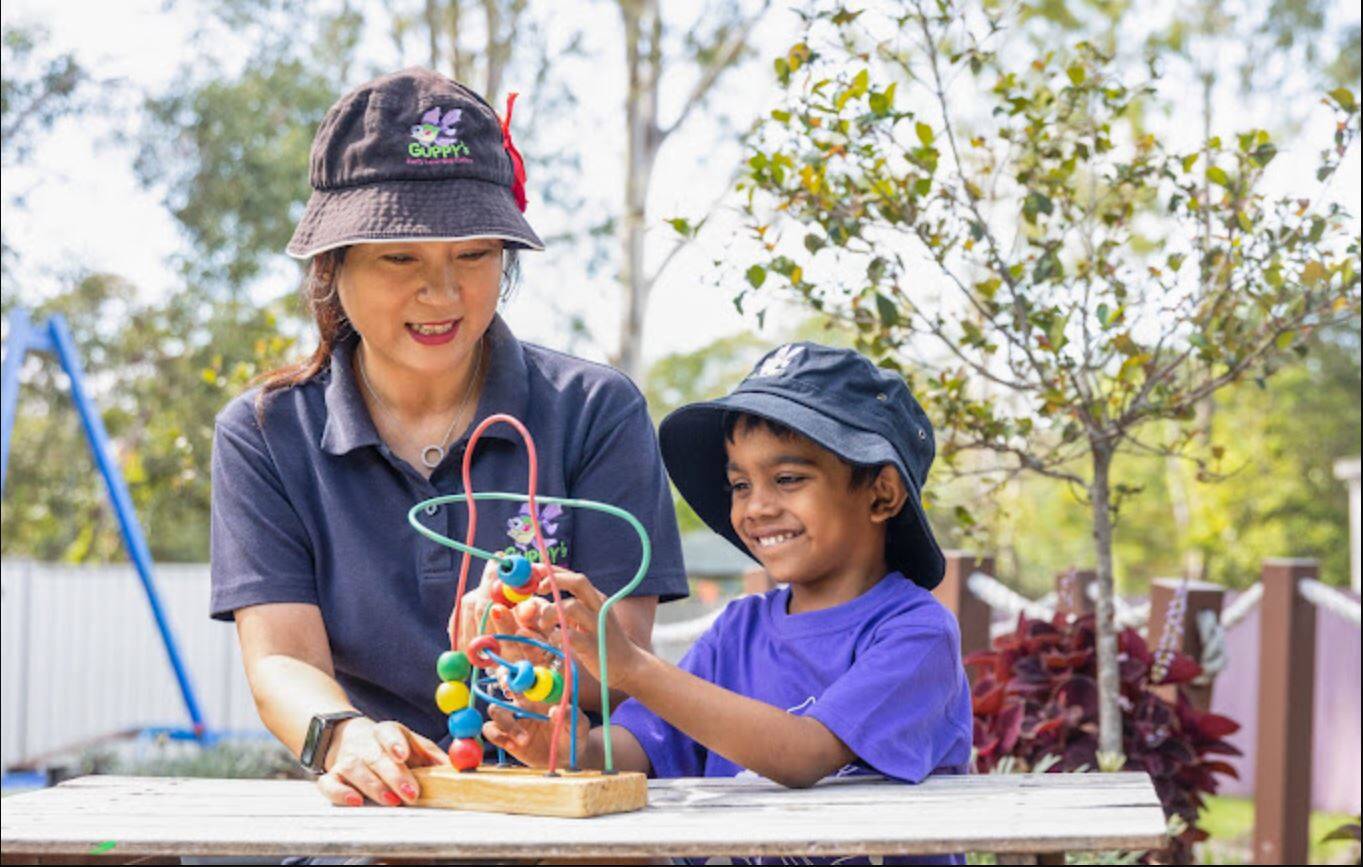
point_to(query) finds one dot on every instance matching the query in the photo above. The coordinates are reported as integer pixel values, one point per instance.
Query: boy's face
(793, 505)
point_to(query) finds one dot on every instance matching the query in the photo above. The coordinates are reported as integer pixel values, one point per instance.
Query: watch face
(309, 756)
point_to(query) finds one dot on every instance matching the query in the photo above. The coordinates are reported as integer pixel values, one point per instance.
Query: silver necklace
(434, 453)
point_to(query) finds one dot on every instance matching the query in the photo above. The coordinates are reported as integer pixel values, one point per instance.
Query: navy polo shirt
(311, 506)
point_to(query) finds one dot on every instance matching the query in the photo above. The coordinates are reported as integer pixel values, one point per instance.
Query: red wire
(544, 558)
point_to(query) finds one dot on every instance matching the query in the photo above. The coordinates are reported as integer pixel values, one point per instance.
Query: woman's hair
(322, 300)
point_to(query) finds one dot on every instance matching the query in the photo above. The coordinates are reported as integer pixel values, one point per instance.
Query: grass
(1230, 822)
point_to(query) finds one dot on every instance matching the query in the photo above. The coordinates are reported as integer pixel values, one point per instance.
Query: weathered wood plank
(1023, 814)
(532, 793)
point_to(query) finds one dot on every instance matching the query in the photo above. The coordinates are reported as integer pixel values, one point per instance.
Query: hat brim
(454, 209)
(692, 443)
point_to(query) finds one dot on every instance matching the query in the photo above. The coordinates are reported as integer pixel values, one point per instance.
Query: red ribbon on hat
(517, 164)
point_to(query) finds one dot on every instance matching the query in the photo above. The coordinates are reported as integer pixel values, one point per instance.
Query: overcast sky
(86, 209)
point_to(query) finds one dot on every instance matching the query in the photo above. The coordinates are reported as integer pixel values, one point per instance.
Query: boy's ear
(888, 494)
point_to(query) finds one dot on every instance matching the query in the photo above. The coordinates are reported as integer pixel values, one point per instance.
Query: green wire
(605, 606)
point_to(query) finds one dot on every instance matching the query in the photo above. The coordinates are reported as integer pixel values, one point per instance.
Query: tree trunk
(643, 26)
(1109, 682)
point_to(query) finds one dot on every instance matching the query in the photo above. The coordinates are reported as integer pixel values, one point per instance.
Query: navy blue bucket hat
(840, 400)
(413, 156)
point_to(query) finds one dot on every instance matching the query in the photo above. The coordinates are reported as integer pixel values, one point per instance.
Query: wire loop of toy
(469, 550)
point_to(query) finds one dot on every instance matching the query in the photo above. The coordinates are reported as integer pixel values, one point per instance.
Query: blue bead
(514, 571)
(522, 676)
(466, 723)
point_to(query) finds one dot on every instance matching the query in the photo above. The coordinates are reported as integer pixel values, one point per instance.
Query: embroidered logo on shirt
(776, 363)
(437, 139)
(521, 531)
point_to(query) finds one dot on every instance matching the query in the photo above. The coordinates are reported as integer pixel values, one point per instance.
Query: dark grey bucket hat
(840, 400)
(413, 156)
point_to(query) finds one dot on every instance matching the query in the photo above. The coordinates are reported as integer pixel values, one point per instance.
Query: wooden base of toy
(527, 791)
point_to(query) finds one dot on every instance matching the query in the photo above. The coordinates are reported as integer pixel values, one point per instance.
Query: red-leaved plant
(1036, 700)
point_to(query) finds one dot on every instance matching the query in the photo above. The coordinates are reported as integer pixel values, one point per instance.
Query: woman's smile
(434, 333)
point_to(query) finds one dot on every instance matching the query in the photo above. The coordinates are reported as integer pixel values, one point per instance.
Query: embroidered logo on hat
(437, 139)
(776, 363)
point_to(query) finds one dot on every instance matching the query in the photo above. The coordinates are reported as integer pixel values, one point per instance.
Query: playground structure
(54, 337)
(481, 671)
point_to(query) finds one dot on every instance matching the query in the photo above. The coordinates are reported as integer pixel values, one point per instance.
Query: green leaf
(1285, 339)
(889, 314)
(1313, 272)
(1189, 161)
(1218, 176)
(925, 134)
(1077, 73)
(756, 275)
(682, 226)
(1344, 98)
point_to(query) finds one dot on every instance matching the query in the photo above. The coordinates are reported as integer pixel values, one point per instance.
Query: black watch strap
(318, 742)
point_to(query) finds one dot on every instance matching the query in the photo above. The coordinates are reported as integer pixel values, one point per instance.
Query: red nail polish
(354, 801)
(408, 790)
(391, 799)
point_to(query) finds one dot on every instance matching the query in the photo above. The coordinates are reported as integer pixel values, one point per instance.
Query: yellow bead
(544, 684)
(451, 696)
(513, 595)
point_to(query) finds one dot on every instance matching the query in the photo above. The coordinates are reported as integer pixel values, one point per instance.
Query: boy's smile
(793, 504)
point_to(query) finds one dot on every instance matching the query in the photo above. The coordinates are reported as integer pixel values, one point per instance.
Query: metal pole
(123, 508)
(20, 336)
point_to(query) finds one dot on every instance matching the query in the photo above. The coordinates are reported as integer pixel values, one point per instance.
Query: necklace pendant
(432, 455)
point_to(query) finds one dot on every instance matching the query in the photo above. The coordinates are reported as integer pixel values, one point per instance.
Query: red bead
(478, 647)
(466, 754)
(494, 592)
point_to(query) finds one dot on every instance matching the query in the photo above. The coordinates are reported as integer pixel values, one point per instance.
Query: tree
(715, 44)
(36, 90)
(1060, 293)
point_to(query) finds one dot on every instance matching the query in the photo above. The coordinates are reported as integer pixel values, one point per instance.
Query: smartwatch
(320, 732)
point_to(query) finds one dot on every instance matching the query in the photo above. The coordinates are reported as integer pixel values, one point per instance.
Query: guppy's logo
(521, 530)
(437, 138)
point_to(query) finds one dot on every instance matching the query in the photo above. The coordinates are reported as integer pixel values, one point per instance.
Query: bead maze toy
(482, 672)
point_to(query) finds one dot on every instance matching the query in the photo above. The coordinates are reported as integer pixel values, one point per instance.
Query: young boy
(814, 466)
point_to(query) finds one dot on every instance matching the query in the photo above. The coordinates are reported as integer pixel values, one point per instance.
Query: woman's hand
(624, 658)
(369, 759)
(528, 739)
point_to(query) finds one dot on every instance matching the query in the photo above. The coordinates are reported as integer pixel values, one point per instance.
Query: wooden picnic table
(122, 819)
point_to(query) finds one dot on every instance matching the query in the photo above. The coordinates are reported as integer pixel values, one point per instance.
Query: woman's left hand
(624, 658)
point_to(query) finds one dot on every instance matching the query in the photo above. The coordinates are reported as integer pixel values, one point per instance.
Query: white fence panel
(82, 657)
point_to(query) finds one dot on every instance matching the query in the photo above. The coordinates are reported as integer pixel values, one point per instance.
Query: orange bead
(478, 647)
(466, 754)
(496, 591)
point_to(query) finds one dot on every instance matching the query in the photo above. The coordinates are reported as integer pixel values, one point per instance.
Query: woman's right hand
(369, 759)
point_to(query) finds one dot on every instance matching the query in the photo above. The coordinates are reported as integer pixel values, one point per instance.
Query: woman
(411, 234)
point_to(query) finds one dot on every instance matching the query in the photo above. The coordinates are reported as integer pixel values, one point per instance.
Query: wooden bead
(544, 685)
(478, 648)
(515, 595)
(466, 754)
(496, 591)
(557, 691)
(453, 665)
(521, 677)
(514, 571)
(452, 695)
(466, 723)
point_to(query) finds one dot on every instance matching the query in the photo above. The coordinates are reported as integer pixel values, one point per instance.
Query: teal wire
(646, 555)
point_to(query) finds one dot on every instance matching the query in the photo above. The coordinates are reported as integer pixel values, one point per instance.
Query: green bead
(453, 665)
(557, 692)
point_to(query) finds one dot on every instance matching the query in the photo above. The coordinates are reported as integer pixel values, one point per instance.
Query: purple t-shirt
(883, 672)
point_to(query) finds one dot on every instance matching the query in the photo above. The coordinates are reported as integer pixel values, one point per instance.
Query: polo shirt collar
(506, 389)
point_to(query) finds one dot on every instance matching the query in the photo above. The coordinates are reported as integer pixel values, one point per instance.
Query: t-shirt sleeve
(258, 547)
(895, 707)
(671, 753)
(623, 466)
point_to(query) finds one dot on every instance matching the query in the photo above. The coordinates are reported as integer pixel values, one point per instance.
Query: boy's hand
(528, 739)
(502, 620)
(624, 658)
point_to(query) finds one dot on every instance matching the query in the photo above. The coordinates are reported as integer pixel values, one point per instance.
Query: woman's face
(421, 305)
